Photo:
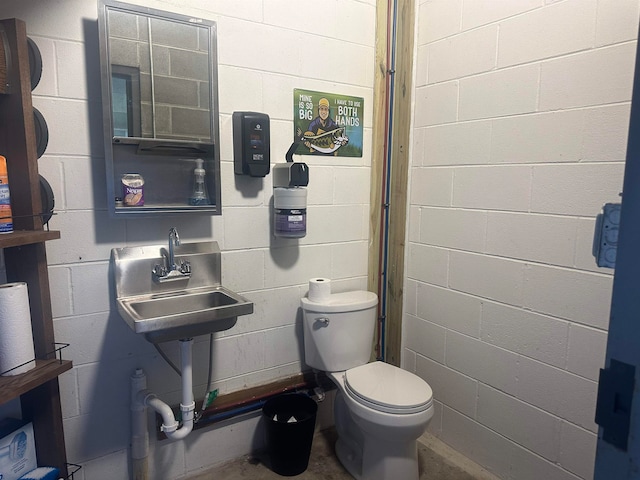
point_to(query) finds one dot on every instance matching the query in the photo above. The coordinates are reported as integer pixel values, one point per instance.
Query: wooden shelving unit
(44, 371)
(25, 253)
(27, 237)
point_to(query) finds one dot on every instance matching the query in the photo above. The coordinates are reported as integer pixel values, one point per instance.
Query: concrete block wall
(520, 127)
(265, 50)
(178, 59)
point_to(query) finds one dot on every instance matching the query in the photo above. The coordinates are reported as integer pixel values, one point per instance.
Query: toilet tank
(338, 332)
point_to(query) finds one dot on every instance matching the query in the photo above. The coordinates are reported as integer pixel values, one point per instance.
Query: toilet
(380, 410)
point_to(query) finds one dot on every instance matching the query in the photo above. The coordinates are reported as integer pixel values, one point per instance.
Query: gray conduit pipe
(139, 430)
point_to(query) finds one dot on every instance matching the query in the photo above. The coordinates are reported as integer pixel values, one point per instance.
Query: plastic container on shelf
(6, 219)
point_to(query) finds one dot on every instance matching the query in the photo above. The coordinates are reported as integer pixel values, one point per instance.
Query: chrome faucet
(174, 239)
(170, 270)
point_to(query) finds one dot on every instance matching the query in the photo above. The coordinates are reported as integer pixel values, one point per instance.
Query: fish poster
(327, 124)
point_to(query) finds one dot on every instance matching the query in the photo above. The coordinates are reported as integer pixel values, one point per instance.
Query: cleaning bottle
(6, 222)
(199, 196)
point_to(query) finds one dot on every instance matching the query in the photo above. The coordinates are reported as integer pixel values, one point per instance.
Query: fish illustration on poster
(327, 123)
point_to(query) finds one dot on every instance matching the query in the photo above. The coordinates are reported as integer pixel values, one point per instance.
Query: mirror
(160, 74)
(159, 85)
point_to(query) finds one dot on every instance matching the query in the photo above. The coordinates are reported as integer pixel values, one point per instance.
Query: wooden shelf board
(45, 370)
(26, 237)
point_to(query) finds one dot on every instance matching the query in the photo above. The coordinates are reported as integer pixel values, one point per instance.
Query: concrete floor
(437, 461)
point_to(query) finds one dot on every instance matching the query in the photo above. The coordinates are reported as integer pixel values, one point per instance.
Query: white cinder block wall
(520, 129)
(521, 112)
(265, 50)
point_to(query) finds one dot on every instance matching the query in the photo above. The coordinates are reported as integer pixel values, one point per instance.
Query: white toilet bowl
(380, 410)
(377, 435)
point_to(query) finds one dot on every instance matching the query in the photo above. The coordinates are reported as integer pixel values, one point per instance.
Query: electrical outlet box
(605, 241)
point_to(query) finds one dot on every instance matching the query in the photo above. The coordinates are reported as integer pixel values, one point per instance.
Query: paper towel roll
(319, 289)
(16, 339)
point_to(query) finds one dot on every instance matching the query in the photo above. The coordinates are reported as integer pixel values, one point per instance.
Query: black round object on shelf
(42, 132)
(5, 62)
(47, 198)
(35, 63)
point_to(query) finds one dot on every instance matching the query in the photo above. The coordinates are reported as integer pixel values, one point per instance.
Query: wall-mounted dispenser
(251, 154)
(290, 197)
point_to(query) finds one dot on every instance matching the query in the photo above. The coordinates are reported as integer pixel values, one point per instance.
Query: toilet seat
(388, 389)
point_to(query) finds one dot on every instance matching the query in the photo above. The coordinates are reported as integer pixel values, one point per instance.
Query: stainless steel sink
(181, 308)
(178, 303)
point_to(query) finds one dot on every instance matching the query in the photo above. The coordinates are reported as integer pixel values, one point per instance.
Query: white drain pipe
(143, 398)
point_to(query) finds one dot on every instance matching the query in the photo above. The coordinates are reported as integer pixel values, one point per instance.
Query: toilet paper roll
(16, 339)
(319, 289)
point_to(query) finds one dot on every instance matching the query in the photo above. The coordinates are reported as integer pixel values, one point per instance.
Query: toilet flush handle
(323, 320)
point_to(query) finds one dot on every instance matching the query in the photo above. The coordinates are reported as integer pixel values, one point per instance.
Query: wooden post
(398, 174)
(378, 156)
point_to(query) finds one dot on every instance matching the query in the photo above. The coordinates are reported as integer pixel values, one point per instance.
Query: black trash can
(290, 421)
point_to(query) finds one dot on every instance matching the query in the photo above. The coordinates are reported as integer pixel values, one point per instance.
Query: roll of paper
(319, 289)
(16, 338)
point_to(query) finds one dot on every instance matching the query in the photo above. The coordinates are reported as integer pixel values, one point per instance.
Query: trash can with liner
(290, 421)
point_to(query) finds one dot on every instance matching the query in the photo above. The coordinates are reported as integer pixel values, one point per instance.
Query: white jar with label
(290, 212)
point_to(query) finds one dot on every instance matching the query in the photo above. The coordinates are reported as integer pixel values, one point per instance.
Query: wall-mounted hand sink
(177, 305)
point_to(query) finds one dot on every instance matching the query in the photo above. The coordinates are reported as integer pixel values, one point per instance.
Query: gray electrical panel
(605, 242)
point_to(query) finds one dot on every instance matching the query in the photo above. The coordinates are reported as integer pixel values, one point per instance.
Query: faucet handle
(159, 271)
(185, 266)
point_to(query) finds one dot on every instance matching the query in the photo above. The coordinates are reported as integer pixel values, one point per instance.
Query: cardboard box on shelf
(17, 448)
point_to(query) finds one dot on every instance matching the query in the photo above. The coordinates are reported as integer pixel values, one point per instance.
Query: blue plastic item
(42, 473)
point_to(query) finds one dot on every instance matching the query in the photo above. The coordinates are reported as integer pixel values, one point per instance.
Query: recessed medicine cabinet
(160, 110)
